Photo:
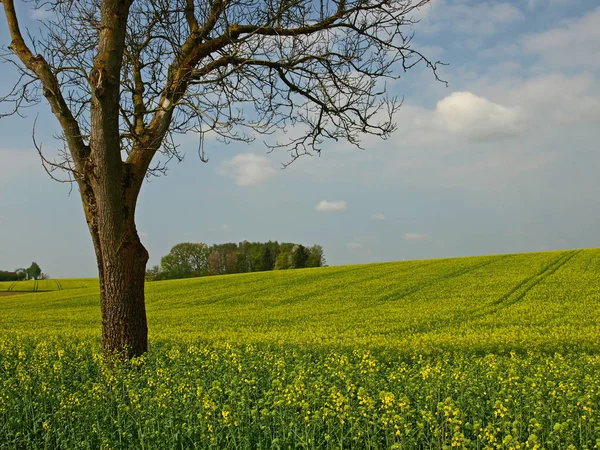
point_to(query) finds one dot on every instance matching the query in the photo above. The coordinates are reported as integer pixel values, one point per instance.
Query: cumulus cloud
(353, 245)
(378, 216)
(476, 117)
(248, 169)
(414, 237)
(227, 228)
(327, 206)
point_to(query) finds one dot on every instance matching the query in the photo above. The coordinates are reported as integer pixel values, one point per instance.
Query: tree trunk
(121, 259)
(122, 274)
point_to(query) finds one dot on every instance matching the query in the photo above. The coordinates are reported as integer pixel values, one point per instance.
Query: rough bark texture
(124, 326)
(111, 190)
(121, 259)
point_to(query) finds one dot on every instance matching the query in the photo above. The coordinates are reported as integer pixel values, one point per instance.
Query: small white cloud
(143, 234)
(247, 169)
(353, 245)
(414, 237)
(227, 228)
(476, 117)
(326, 206)
(378, 216)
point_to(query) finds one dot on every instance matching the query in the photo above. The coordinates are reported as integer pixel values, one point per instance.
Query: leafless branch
(232, 68)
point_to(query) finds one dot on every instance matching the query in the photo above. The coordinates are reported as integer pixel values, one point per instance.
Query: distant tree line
(189, 259)
(34, 272)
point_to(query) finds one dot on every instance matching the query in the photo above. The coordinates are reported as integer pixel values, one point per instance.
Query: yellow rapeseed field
(498, 352)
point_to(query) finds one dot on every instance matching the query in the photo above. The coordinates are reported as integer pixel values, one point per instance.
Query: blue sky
(505, 159)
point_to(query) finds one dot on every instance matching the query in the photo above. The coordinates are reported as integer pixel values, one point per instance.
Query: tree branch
(51, 87)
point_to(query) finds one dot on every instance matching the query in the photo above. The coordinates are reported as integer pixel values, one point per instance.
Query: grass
(47, 285)
(483, 352)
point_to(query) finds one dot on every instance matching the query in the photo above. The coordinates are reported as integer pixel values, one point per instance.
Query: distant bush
(11, 276)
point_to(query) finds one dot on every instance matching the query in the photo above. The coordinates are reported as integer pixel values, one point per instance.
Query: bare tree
(123, 77)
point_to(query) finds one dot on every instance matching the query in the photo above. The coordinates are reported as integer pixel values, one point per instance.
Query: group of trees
(189, 259)
(34, 272)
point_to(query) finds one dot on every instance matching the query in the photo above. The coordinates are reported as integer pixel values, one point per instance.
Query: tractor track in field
(513, 296)
(58, 285)
(520, 290)
(401, 294)
(529, 283)
(259, 282)
(11, 287)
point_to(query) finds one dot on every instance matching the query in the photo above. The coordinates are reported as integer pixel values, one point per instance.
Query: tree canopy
(187, 259)
(33, 272)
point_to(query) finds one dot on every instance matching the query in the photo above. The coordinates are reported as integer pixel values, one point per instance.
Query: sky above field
(504, 159)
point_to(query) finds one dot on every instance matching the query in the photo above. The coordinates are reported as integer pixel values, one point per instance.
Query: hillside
(471, 353)
(546, 301)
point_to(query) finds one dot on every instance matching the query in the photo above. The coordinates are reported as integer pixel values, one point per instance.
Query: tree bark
(124, 325)
(121, 260)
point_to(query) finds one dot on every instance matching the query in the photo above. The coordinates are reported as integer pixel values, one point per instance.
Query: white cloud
(354, 245)
(248, 169)
(475, 19)
(562, 99)
(576, 43)
(414, 237)
(326, 206)
(476, 117)
(143, 234)
(378, 216)
(227, 228)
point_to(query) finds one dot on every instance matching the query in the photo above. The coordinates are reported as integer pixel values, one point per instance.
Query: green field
(483, 352)
(47, 285)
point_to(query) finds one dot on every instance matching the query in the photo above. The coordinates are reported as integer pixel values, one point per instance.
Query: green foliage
(490, 352)
(34, 271)
(300, 256)
(154, 273)
(230, 258)
(283, 261)
(12, 276)
(316, 257)
(185, 260)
